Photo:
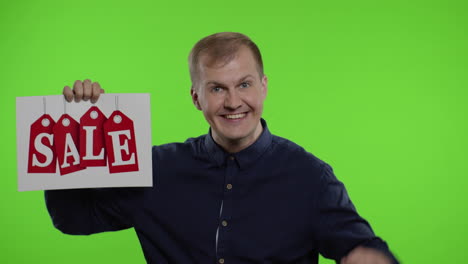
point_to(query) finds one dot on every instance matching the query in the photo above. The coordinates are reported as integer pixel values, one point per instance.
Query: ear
(264, 86)
(194, 95)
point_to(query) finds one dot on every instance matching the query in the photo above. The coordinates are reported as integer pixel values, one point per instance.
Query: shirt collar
(245, 157)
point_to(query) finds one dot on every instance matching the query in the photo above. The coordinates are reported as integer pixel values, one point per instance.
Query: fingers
(68, 93)
(96, 91)
(83, 90)
(87, 92)
(78, 90)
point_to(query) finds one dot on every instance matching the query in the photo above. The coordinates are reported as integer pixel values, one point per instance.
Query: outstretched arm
(342, 234)
(89, 211)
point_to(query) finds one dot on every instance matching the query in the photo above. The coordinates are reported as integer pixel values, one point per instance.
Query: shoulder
(179, 150)
(295, 154)
(305, 160)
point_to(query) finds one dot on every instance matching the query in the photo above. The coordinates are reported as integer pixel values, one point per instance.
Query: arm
(342, 234)
(88, 211)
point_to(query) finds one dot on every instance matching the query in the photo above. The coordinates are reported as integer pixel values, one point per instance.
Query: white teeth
(235, 116)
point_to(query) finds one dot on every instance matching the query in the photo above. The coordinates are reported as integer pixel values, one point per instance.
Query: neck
(236, 145)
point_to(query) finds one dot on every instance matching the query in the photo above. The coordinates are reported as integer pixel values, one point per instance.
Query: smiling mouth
(235, 116)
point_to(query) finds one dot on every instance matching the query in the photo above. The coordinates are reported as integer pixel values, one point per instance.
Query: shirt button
(229, 186)
(224, 223)
(221, 261)
(231, 157)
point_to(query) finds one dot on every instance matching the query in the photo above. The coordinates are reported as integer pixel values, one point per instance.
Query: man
(236, 195)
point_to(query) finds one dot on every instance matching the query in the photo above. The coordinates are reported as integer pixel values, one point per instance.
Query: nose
(232, 100)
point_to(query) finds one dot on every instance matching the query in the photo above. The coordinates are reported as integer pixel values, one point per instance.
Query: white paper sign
(63, 145)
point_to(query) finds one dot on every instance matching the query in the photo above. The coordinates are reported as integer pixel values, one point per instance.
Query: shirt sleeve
(89, 211)
(341, 229)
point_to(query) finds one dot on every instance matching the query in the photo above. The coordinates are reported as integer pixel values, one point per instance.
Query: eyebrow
(240, 80)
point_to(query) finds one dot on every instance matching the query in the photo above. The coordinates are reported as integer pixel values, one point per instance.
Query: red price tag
(66, 139)
(42, 157)
(120, 141)
(92, 145)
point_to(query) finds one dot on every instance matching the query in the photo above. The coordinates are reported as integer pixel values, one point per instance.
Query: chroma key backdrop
(378, 89)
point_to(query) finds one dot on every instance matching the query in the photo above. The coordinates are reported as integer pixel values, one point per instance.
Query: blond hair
(221, 48)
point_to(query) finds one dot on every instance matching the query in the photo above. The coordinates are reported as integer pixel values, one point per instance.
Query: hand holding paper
(83, 90)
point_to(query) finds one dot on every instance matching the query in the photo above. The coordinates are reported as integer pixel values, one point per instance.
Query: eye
(216, 89)
(245, 85)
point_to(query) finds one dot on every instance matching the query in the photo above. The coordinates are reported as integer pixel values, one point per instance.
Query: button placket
(225, 216)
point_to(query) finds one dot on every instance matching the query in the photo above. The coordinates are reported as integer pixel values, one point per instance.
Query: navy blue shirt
(272, 202)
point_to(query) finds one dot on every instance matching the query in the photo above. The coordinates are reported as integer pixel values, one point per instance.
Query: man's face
(231, 97)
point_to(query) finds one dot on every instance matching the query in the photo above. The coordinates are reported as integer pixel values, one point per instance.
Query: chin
(234, 138)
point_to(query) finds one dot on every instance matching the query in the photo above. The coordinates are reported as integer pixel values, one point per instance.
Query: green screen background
(378, 89)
